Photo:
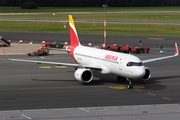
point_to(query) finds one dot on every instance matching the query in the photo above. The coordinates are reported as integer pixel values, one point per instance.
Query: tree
(29, 5)
(3, 3)
(62, 3)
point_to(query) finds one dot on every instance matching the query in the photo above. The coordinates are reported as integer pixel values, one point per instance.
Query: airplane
(89, 59)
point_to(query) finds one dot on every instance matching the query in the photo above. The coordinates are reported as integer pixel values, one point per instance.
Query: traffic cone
(90, 45)
(20, 41)
(31, 42)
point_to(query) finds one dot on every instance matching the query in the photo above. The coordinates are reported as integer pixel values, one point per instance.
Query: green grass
(146, 17)
(128, 29)
(86, 9)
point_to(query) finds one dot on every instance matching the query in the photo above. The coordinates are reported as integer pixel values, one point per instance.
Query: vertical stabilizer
(73, 34)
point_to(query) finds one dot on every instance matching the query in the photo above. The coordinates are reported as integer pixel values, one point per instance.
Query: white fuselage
(111, 62)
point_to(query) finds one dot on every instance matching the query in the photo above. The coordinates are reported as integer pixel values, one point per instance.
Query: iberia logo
(111, 57)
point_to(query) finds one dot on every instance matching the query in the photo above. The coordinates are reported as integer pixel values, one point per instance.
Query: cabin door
(121, 63)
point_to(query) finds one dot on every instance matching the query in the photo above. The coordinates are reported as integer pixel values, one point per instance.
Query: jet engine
(83, 75)
(147, 75)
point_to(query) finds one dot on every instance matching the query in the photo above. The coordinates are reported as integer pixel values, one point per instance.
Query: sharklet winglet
(176, 49)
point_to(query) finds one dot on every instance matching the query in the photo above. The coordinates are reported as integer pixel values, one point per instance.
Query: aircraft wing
(45, 62)
(161, 58)
(58, 63)
(54, 63)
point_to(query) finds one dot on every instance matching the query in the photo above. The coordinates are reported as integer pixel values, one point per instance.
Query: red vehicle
(40, 51)
(145, 49)
(136, 50)
(115, 47)
(46, 44)
(126, 49)
(101, 47)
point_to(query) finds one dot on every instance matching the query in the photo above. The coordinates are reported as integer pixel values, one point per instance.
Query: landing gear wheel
(130, 86)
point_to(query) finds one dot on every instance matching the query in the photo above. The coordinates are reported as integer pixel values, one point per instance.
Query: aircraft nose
(140, 72)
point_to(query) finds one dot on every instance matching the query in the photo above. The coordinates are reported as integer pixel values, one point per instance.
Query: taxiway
(29, 86)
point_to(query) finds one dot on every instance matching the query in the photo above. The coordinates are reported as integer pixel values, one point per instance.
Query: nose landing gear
(130, 86)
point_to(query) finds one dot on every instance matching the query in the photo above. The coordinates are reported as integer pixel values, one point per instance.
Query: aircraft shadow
(152, 84)
(50, 80)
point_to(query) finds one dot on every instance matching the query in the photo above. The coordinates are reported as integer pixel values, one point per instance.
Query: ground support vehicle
(145, 50)
(115, 47)
(136, 50)
(57, 45)
(40, 51)
(4, 42)
(46, 45)
(126, 49)
(106, 48)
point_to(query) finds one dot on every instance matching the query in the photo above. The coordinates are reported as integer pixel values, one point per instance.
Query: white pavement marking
(26, 116)
(83, 109)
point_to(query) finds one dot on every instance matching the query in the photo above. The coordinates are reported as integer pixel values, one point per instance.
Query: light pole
(104, 6)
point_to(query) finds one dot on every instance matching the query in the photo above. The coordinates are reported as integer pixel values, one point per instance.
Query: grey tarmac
(41, 91)
(95, 39)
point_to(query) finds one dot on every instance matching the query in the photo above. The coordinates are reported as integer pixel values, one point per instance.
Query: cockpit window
(134, 64)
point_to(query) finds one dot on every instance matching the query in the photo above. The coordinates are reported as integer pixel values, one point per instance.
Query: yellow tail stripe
(71, 20)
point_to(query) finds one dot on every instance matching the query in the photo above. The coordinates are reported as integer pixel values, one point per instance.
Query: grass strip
(128, 29)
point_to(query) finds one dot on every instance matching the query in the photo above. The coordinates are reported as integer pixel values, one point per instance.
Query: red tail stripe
(74, 38)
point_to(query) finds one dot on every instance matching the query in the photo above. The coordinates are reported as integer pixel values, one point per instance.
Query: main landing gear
(130, 86)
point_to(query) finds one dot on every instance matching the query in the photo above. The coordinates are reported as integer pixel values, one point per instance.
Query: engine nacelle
(147, 75)
(83, 75)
